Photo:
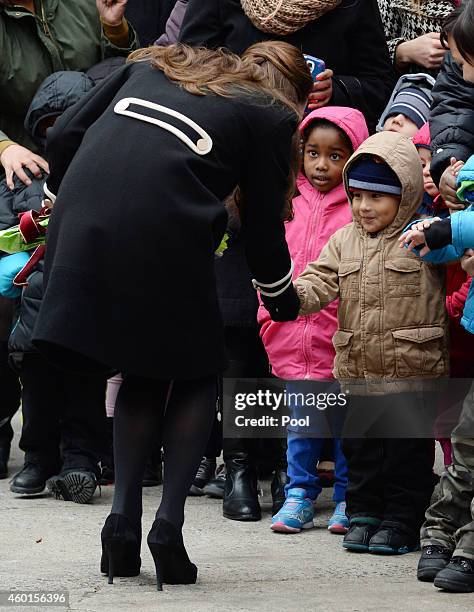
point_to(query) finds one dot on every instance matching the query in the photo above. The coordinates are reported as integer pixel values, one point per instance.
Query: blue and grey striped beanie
(371, 175)
(412, 102)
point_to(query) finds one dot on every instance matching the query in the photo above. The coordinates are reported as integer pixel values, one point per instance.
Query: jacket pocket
(342, 341)
(419, 351)
(349, 279)
(402, 277)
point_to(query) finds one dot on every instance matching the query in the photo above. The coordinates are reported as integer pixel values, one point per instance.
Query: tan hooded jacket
(392, 315)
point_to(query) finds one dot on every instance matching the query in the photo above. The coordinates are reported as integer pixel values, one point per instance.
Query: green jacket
(62, 35)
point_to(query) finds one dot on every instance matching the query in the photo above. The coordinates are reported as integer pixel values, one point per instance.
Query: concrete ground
(47, 544)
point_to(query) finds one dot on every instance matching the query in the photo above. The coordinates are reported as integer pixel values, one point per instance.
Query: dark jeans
(64, 419)
(248, 359)
(10, 396)
(390, 478)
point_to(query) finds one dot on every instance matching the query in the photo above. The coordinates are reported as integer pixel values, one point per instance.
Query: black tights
(181, 412)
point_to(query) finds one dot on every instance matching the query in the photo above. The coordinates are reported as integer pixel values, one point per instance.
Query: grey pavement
(46, 544)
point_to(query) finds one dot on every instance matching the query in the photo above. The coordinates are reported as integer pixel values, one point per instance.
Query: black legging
(181, 413)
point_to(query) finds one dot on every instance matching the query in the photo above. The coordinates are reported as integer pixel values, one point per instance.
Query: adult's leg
(138, 418)
(42, 401)
(186, 428)
(83, 423)
(10, 386)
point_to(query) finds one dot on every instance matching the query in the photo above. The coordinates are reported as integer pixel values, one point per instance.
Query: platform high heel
(120, 548)
(172, 563)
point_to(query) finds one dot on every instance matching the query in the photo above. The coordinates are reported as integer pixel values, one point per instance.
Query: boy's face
(375, 211)
(325, 154)
(466, 67)
(402, 124)
(428, 185)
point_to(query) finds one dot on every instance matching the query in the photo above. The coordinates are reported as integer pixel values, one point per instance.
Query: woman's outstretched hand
(415, 236)
(111, 11)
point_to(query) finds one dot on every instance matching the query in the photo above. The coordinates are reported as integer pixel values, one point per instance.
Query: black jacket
(350, 39)
(451, 119)
(129, 267)
(149, 18)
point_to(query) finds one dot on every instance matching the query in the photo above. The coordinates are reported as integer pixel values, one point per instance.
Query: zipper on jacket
(44, 23)
(312, 231)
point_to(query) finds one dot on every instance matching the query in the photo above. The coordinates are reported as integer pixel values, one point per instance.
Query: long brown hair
(272, 67)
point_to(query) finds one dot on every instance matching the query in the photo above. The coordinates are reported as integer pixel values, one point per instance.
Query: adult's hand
(15, 157)
(415, 236)
(111, 11)
(322, 90)
(425, 50)
(447, 185)
(467, 262)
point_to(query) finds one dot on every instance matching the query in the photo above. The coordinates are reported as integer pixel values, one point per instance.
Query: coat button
(201, 144)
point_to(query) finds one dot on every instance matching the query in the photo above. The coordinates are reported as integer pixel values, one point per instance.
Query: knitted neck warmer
(284, 17)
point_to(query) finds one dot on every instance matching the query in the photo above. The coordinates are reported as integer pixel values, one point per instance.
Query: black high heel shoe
(120, 548)
(171, 559)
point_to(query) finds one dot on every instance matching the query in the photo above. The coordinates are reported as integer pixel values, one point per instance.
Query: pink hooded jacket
(303, 348)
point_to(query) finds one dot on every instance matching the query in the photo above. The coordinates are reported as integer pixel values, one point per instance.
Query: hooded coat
(392, 316)
(303, 348)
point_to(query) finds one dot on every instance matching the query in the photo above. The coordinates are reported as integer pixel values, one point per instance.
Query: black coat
(129, 265)
(149, 18)
(350, 39)
(451, 118)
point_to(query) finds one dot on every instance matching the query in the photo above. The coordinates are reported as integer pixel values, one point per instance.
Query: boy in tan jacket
(390, 345)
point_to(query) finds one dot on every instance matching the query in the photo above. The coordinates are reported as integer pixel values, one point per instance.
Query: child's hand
(447, 185)
(415, 236)
(322, 90)
(467, 262)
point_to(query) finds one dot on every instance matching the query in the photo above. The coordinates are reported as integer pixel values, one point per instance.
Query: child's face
(325, 154)
(466, 67)
(402, 124)
(428, 185)
(375, 211)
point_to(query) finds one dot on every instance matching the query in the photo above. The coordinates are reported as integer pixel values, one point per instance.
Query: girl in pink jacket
(302, 350)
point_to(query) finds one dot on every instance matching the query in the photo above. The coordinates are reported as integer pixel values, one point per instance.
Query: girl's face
(466, 67)
(325, 154)
(428, 185)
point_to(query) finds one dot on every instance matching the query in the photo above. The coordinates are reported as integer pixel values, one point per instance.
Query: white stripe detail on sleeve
(286, 279)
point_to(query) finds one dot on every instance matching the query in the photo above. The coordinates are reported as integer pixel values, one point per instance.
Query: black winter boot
(31, 479)
(241, 492)
(433, 559)
(280, 478)
(457, 576)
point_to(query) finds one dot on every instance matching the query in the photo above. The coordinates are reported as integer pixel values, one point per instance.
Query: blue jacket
(462, 229)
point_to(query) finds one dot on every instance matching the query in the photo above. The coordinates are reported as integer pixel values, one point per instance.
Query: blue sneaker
(339, 523)
(297, 513)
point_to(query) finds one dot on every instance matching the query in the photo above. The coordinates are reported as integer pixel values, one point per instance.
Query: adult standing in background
(412, 29)
(348, 35)
(37, 38)
(149, 18)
